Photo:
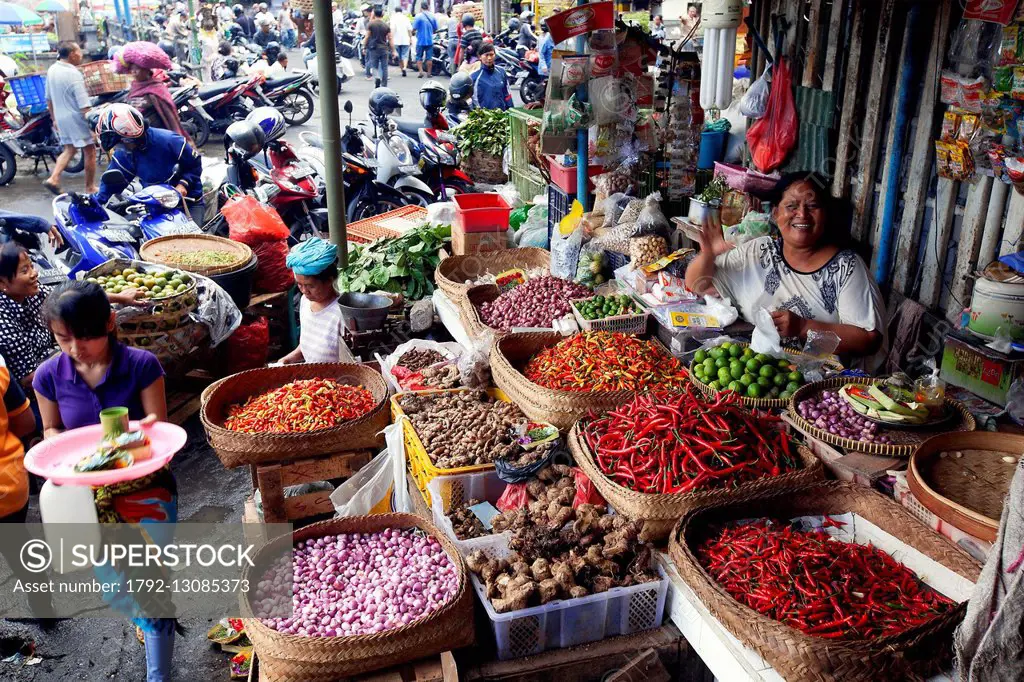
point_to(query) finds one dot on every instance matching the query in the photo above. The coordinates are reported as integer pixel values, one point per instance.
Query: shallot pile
(535, 303)
(360, 583)
(831, 413)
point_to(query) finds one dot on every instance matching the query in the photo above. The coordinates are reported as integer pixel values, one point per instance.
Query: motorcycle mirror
(348, 106)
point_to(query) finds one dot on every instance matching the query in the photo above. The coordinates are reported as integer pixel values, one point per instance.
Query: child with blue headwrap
(321, 322)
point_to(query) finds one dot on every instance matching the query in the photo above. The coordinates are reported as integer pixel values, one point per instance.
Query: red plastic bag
(272, 272)
(247, 347)
(586, 493)
(251, 222)
(514, 497)
(772, 137)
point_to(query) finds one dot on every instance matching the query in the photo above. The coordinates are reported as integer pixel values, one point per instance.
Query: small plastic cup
(114, 421)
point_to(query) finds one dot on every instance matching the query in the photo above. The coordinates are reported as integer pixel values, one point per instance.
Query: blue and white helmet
(269, 120)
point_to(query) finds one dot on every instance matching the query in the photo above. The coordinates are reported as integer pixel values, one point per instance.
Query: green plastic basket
(519, 124)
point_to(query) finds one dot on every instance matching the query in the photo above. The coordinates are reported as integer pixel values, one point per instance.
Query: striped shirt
(320, 333)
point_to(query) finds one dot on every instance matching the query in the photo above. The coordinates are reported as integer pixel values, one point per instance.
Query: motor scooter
(35, 139)
(40, 250)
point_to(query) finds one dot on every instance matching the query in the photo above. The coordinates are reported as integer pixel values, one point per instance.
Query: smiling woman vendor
(804, 277)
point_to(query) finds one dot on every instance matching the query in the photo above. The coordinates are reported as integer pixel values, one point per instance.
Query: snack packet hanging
(972, 90)
(949, 88)
(1002, 78)
(950, 125)
(1008, 45)
(942, 158)
(1017, 89)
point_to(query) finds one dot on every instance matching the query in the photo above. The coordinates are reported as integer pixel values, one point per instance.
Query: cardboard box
(971, 365)
(464, 244)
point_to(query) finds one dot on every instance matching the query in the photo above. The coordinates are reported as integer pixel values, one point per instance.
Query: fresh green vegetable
(714, 191)
(403, 264)
(600, 307)
(485, 130)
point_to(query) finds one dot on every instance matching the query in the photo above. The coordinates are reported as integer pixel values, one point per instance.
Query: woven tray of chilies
(712, 437)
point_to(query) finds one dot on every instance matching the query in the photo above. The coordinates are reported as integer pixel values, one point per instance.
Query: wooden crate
(440, 668)
(281, 321)
(271, 480)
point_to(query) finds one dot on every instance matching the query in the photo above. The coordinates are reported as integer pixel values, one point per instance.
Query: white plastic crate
(570, 622)
(449, 491)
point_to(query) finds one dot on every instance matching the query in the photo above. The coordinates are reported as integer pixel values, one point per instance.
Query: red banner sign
(996, 11)
(574, 22)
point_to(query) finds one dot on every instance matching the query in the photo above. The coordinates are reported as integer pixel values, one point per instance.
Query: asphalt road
(106, 649)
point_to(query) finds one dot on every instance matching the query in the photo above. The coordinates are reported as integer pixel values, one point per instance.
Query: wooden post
(841, 174)
(971, 228)
(814, 37)
(922, 154)
(938, 241)
(881, 70)
(834, 37)
(1014, 225)
(993, 224)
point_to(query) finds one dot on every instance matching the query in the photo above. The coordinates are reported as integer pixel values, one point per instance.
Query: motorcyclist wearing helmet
(490, 84)
(511, 32)
(168, 47)
(245, 21)
(527, 39)
(433, 98)
(460, 95)
(149, 154)
(271, 52)
(471, 37)
(226, 65)
(266, 34)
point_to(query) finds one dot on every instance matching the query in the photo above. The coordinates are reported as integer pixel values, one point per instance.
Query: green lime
(796, 376)
(753, 365)
(715, 386)
(762, 358)
(736, 371)
(753, 391)
(709, 365)
(767, 371)
(792, 387)
(785, 395)
(736, 387)
(775, 392)
(700, 356)
(747, 353)
(764, 382)
(736, 351)
(784, 364)
(724, 376)
(716, 353)
(780, 380)
(721, 362)
(748, 379)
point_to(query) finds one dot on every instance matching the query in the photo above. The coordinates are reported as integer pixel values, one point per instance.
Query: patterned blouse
(25, 340)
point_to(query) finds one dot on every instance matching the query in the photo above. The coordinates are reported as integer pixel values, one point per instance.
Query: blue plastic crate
(559, 203)
(30, 92)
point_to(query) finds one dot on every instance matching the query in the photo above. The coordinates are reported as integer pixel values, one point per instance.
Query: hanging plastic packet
(574, 71)
(1008, 45)
(949, 88)
(1002, 78)
(1017, 88)
(973, 91)
(818, 348)
(950, 126)
(996, 154)
(969, 125)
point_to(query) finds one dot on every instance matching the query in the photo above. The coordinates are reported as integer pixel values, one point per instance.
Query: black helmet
(460, 89)
(433, 96)
(168, 48)
(238, 10)
(514, 24)
(231, 65)
(159, 19)
(272, 50)
(468, 20)
(384, 102)
(246, 137)
(233, 31)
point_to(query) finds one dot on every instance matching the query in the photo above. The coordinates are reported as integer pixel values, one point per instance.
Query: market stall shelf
(963, 478)
(285, 657)
(902, 442)
(236, 448)
(876, 520)
(661, 512)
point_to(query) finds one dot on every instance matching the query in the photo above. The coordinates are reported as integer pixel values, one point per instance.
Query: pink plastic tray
(55, 459)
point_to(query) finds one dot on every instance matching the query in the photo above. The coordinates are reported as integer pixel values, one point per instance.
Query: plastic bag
(651, 220)
(614, 205)
(372, 489)
(565, 253)
(754, 103)
(247, 347)
(450, 350)
(510, 194)
(772, 137)
(475, 363)
(514, 497)
(1015, 401)
(272, 272)
(216, 310)
(591, 263)
(443, 213)
(586, 492)
(253, 223)
(765, 338)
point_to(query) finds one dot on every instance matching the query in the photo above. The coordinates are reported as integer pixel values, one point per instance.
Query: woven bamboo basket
(285, 658)
(660, 512)
(904, 440)
(162, 250)
(237, 449)
(963, 478)
(509, 356)
(101, 79)
(469, 309)
(915, 653)
(483, 167)
(453, 272)
(761, 403)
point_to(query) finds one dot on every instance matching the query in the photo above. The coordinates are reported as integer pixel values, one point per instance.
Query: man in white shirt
(337, 16)
(224, 14)
(265, 15)
(278, 69)
(401, 31)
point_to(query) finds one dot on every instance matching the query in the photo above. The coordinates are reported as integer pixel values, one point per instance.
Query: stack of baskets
(235, 275)
(322, 659)
(234, 448)
(165, 327)
(101, 79)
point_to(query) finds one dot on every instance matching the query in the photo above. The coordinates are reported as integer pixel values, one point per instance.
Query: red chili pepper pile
(822, 587)
(605, 361)
(303, 405)
(678, 442)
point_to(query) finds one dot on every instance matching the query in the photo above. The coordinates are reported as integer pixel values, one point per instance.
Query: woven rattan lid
(173, 251)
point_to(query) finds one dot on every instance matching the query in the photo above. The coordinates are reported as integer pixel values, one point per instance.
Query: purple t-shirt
(131, 371)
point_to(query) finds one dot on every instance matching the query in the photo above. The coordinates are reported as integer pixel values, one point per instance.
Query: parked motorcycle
(194, 119)
(436, 152)
(523, 72)
(40, 250)
(92, 235)
(228, 101)
(343, 70)
(35, 140)
(291, 95)
(388, 147)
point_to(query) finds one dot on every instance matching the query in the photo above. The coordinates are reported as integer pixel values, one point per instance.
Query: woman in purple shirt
(95, 371)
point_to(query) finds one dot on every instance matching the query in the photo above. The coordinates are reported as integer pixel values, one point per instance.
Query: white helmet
(118, 122)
